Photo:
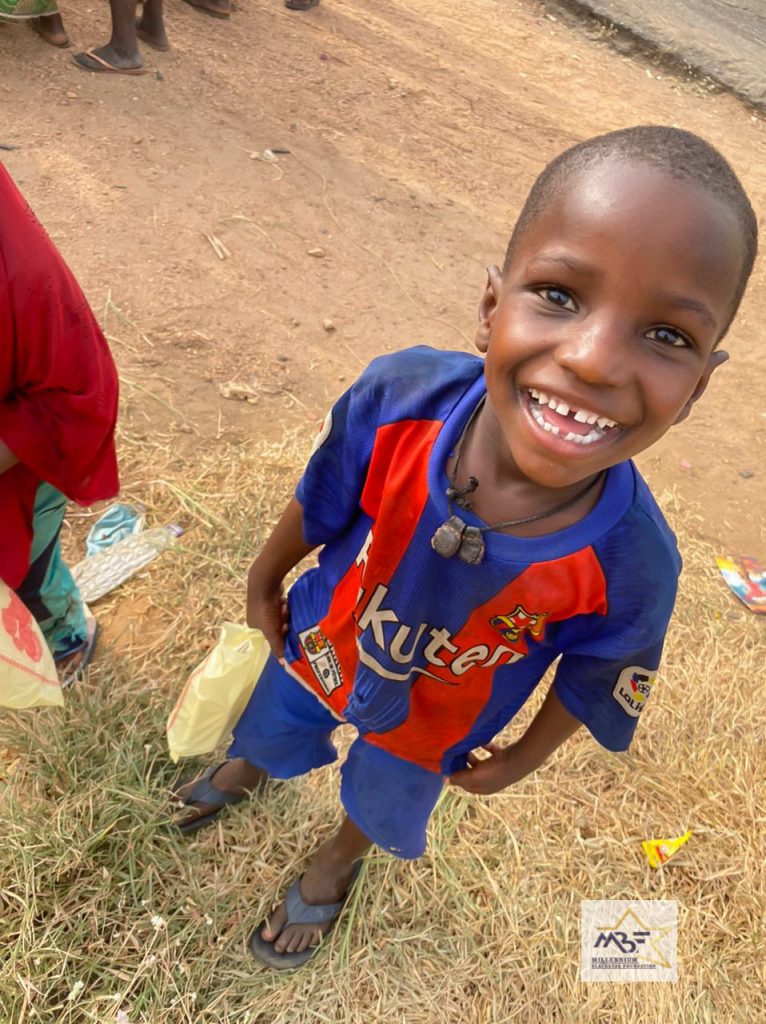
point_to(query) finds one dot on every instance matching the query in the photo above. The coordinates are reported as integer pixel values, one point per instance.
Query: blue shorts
(287, 730)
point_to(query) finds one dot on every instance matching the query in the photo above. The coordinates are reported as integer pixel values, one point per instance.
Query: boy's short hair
(679, 154)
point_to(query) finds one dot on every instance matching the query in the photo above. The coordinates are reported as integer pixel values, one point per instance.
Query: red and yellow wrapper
(659, 850)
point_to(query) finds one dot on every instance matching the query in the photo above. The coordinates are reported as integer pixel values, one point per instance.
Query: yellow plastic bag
(28, 677)
(217, 692)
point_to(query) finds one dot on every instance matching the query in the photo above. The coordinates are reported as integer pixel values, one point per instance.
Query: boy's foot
(310, 909)
(51, 29)
(215, 8)
(203, 801)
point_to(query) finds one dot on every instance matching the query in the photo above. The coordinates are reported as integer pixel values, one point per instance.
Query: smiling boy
(480, 520)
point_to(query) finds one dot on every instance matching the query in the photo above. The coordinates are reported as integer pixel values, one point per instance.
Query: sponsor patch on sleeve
(632, 689)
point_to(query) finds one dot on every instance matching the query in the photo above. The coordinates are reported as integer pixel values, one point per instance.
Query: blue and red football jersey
(431, 657)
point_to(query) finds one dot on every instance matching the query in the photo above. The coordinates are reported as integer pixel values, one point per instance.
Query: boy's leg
(326, 880)
(389, 802)
(121, 52)
(151, 27)
(284, 731)
(48, 589)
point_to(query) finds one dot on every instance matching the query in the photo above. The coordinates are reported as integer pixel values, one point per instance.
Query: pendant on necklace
(471, 548)
(448, 537)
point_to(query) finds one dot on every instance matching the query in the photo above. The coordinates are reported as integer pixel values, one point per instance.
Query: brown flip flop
(90, 61)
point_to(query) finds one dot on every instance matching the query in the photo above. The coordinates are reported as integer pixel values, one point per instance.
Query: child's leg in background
(48, 589)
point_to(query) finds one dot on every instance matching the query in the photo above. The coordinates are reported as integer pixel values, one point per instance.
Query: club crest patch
(632, 689)
(322, 659)
(513, 625)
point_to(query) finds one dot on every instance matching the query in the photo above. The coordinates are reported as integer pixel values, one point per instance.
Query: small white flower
(122, 1017)
(158, 922)
(208, 920)
(75, 990)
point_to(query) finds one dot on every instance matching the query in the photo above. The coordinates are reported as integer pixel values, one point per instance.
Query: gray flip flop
(300, 912)
(204, 792)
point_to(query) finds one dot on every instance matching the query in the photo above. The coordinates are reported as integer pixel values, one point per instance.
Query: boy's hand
(490, 774)
(267, 611)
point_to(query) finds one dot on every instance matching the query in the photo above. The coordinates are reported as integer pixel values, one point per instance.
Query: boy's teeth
(580, 415)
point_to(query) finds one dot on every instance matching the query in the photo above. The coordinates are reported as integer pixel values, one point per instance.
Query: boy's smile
(601, 333)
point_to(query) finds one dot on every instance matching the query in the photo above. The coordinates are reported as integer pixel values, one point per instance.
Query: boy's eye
(557, 296)
(669, 336)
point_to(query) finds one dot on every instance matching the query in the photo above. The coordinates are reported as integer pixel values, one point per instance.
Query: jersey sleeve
(608, 695)
(333, 480)
(414, 383)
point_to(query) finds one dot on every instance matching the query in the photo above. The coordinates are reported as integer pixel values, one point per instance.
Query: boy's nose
(598, 352)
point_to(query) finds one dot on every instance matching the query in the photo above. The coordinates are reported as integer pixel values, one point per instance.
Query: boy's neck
(505, 492)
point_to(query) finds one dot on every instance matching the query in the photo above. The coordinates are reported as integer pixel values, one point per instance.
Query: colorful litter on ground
(746, 578)
(658, 851)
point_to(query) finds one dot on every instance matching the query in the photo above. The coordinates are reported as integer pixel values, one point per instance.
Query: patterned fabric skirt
(49, 591)
(10, 9)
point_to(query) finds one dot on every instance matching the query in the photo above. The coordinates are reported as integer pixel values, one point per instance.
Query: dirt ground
(411, 132)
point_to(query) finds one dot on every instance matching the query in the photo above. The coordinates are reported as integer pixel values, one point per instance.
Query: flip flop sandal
(204, 792)
(223, 15)
(102, 66)
(301, 5)
(300, 912)
(70, 675)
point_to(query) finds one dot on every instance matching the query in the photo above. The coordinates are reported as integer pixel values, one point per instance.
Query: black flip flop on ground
(300, 912)
(301, 5)
(204, 792)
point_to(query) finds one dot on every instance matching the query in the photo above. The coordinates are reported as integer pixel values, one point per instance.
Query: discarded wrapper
(659, 850)
(747, 579)
(101, 573)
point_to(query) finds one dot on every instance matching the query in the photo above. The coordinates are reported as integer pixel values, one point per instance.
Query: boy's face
(601, 333)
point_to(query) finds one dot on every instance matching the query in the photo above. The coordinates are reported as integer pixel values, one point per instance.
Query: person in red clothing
(58, 408)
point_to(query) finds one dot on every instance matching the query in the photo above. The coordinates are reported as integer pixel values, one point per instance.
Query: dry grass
(107, 916)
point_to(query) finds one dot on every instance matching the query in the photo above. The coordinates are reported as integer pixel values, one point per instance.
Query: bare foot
(235, 776)
(325, 881)
(51, 29)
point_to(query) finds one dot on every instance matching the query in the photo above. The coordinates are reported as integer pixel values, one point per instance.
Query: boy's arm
(266, 603)
(506, 765)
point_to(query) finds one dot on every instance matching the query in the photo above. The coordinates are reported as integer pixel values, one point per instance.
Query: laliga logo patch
(632, 689)
(322, 658)
(513, 625)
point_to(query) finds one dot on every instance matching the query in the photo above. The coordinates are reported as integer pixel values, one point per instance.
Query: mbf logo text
(628, 940)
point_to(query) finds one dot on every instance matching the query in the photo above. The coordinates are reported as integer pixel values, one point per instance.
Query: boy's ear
(487, 307)
(716, 359)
